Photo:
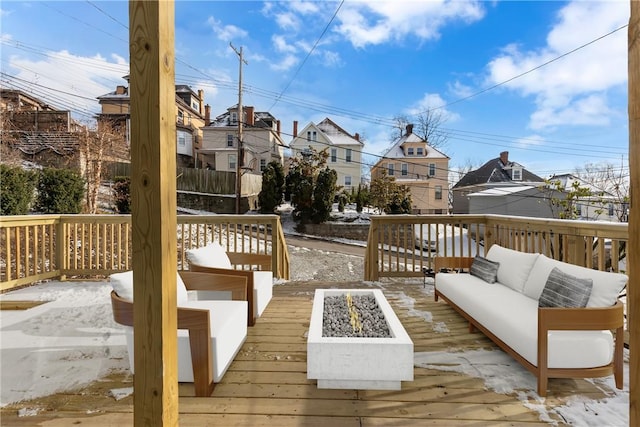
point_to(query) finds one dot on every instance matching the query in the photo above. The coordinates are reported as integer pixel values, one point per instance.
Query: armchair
(212, 258)
(210, 333)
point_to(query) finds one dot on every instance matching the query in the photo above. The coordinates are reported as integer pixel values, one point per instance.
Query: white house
(344, 149)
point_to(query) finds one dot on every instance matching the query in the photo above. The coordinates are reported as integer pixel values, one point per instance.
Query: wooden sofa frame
(195, 320)
(552, 319)
(239, 261)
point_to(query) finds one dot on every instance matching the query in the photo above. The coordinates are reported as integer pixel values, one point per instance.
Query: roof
(494, 171)
(502, 191)
(566, 184)
(397, 152)
(335, 134)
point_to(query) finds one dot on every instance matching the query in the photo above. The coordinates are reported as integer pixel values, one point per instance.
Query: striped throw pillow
(485, 269)
(565, 290)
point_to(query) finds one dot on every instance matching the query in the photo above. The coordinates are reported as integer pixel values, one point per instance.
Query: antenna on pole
(240, 154)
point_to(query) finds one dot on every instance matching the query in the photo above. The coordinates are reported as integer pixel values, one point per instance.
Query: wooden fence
(39, 247)
(404, 245)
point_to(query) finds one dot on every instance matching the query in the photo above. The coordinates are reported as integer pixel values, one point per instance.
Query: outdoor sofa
(555, 318)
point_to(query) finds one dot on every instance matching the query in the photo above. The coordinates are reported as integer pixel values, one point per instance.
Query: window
(234, 118)
(432, 169)
(229, 140)
(390, 166)
(180, 116)
(348, 155)
(516, 174)
(263, 164)
(347, 181)
(410, 151)
(312, 135)
(195, 105)
(438, 192)
(334, 155)
(405, 169)
(182, 141)
(579, 209)
(611, 209)
(419, 151)
(232, 162)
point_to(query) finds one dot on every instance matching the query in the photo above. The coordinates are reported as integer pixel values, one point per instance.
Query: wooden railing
(404, 245)
(39, 247)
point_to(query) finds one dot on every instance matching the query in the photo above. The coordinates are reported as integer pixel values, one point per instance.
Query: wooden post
(153, 197)
(633, 292)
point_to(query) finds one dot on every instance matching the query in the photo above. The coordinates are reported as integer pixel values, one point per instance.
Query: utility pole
(240, 155)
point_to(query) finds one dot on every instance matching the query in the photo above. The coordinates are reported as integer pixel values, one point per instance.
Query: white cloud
(68, 81)
(365, 23)
(460, 90)
(281, 45)
(573, 89)
(226, 33)
(432, 101)
(286, 63)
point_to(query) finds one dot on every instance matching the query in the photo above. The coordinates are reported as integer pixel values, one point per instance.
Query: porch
(267, 383)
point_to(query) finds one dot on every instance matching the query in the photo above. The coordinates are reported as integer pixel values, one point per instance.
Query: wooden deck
(267, 384)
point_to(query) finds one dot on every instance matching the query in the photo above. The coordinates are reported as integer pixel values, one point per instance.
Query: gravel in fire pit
(336, 321)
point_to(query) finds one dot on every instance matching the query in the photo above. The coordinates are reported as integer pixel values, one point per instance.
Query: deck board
(266, 385)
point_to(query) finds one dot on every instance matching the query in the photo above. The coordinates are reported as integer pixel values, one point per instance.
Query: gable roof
(566, 184)
(397, 152)
(331, 132)
(496, 171)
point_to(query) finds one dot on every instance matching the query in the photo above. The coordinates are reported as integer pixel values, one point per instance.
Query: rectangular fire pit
(355, 362)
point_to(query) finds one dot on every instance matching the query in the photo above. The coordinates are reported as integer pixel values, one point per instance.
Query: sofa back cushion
(212, 255)
(122, 283)
(514, 266)
(606, 286)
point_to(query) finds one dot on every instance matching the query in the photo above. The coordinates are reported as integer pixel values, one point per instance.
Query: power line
(304, 61)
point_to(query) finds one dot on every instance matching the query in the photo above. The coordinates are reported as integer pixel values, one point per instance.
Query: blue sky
(480, 64)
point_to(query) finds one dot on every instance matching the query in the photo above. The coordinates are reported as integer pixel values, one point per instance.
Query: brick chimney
(201, 103)
(249, 111)
(356, 136)
(295, 128)
(121, 90)
(504, 157)
(207, 115)
(409, 128)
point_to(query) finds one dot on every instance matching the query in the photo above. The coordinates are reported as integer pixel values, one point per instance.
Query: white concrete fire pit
(356, 362)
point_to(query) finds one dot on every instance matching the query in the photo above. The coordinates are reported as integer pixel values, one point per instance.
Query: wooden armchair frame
(196, 321)
(240, 260)
(554, 319)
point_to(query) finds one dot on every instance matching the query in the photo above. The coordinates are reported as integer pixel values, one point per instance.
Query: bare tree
(611, 179)
(96, 147)
(427, 125)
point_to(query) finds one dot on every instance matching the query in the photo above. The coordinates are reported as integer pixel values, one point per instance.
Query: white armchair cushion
(228, 333)
(262, 290)
(211, 255)
(122, 283)
(514, 266)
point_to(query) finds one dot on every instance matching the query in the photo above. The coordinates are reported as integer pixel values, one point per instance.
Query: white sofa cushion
(122, 283)
(514, 266)
(211, 255)
(228, 333)
(513, 317)
(606, 285)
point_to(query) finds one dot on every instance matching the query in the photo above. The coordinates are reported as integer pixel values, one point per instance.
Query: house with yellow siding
(420, 167)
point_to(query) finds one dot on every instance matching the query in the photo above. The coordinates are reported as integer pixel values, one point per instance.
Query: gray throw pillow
(565, 290)
(485, 269)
